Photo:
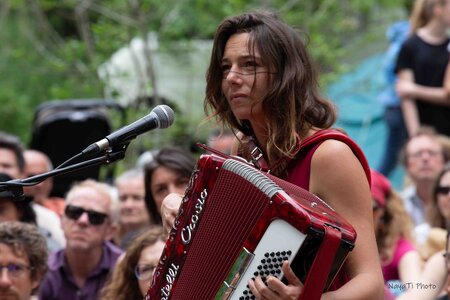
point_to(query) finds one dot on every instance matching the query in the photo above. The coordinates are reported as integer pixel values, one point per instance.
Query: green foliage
(48, 58)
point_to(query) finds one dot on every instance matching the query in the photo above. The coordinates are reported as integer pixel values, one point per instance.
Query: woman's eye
(160, 190)
(183, 183)
(249, 63)
(225, 68)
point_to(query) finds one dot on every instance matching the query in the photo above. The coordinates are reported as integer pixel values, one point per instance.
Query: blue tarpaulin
(359, 112)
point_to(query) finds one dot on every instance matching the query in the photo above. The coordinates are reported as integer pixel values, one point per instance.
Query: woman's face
(445, 13)
(443, 197)
(245, 80)
(149, 260)
(165, 181)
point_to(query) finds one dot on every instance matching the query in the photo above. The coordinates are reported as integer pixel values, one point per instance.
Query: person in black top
(421, 68)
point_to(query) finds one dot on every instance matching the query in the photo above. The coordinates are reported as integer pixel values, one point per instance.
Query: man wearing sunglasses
(80, 270)
(23, 260)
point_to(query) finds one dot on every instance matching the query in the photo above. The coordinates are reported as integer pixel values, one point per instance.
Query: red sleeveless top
(299, 170)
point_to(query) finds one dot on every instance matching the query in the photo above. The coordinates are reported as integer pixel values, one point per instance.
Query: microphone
(160, 117)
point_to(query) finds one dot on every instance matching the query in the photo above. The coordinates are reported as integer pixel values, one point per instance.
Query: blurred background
(132, 55)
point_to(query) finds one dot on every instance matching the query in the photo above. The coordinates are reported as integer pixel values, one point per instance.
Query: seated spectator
(393, 227)
(437, 267)
(23, 260)
(133, 273)
(13, 210)
(133, 216)
(80, 270)
(433, 283)
(48, 210)
(423, 160)
(12, 163)
(37, 162)
(168, 172)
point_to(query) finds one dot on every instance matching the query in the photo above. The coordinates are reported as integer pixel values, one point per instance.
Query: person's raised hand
(169, 210)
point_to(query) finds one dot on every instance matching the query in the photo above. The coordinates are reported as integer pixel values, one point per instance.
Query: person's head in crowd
(423, 156)
(12, 161)
(133, 273)
(15, 209)
(36, 163)
(88, 220)
(425, 11)
(133, 215)
(23, 260)
(89, 256)
(221, 140)
(168, 172)
(441, 196)
(391, 220)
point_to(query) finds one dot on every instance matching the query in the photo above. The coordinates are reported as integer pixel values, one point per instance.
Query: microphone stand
(16, 185)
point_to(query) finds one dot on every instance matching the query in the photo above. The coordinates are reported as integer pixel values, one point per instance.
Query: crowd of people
(104, 240)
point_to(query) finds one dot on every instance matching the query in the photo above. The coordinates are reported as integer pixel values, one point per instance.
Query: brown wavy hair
(293, 103)
(396, 224)
(123, 284)
(179, 160)
(26, 240)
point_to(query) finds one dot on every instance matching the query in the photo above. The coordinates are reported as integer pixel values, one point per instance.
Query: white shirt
(48, 219)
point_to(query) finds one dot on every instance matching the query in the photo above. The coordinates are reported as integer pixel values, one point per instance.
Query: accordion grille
(231, 211)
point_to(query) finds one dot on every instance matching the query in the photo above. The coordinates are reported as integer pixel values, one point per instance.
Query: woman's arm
(447, 80)
(338, 178)
(434, 274)
(409, 108)
(410, 267)
(438, 95)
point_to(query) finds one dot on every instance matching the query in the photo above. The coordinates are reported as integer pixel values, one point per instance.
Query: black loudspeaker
(63, 128)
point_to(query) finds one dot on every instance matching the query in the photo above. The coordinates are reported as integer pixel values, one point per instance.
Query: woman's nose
(233, 76)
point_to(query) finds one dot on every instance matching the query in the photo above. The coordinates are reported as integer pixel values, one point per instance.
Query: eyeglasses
(431, 153)
(75, 212)
(248, 68)
(144, 271)
(443, 190)
(15, 270)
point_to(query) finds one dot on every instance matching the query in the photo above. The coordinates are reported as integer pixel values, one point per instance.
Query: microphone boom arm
(16, 185)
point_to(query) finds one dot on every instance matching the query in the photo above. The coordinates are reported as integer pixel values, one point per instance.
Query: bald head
(37, 162)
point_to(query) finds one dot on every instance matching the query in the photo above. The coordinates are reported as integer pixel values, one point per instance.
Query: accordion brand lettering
(186, 232)
(170, 278)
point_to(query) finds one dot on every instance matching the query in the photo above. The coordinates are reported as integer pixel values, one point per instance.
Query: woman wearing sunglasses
(442, 193)
(134, 271)
(437, 267)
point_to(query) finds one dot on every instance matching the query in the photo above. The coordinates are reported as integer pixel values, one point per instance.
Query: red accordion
(236, 223)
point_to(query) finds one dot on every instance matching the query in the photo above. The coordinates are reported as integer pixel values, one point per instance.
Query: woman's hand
(275, 289)
(169, 211)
